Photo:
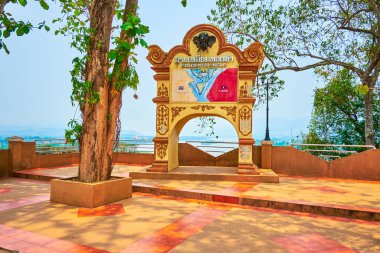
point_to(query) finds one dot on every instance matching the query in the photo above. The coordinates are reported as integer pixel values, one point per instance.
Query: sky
(35, 82)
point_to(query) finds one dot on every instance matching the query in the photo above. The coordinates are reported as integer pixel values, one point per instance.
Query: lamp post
(266, 81)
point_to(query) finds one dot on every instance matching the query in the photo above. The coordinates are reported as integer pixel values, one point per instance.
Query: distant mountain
(24, 131)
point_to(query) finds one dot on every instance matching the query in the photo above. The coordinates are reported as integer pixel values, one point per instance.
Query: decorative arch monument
(205, 76)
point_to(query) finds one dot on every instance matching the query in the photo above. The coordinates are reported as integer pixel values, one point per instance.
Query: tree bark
(115, 94)
(368, 106)
(2, 6)
(94, 132)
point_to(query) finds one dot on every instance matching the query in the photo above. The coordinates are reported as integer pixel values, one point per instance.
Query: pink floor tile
(311, 243)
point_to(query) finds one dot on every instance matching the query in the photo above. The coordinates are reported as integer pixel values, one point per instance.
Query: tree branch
(358, 30)
(3, 3)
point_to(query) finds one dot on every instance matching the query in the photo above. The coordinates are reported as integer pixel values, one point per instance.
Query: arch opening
(190, 149)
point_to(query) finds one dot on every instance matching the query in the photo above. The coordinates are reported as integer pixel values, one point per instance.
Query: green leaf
(20, 31)
(363, 89)
(47, 28)
(112, 55)
(5, 48)
(6, 33)
(26, 29)
(22, 2)
(143, 43)
(184, 3)
(126, 26)
(44, 5)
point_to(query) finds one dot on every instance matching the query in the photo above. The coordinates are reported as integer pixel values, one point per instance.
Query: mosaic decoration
(231, 111)
(203, 107)
(245, 123)
(162, 91)
(205, 85)
(162, 119)
(245, 152)
(176, 110)
(161, 150)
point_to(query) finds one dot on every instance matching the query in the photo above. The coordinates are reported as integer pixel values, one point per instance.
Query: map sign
(204, 85)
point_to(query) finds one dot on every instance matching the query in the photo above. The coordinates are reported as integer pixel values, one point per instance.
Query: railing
(331, 151)
(54, 146)
(60, 146)
(214, 148)
(135, 146)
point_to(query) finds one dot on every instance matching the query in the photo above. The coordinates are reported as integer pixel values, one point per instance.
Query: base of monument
(249, 169)
(208, 173)
(158, 167)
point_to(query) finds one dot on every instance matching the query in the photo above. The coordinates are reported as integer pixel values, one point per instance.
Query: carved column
(247, 75)
(160, 163)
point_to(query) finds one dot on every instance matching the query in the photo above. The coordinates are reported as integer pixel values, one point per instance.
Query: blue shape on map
(203, 80)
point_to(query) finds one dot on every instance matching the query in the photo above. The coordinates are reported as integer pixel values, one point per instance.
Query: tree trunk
(94, 132)
(115, 95)
(368, 105)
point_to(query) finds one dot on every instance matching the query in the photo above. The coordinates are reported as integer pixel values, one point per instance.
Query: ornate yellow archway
(205, 76)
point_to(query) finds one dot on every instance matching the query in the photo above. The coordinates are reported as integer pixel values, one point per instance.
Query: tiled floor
(148, 223)
(340, 192)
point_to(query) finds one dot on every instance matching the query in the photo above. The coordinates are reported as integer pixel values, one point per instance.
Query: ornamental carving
(203, 41)
(203, 107)
(161, 150)
(156, 55)
(245, 152)
(162, 91)
(245, 120)
(162, 122)
(254, 53)
(245, 91)
(231, 111)
(176, 110)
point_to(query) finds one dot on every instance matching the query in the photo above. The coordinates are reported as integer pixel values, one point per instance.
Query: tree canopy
(10, 25)
(308, 34)
(338, 114)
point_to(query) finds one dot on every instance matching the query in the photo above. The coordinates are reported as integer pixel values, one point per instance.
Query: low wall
(189, 155)
(130, 158)
(285, 160)
(364, 165)
(256, 153)
(229, 159)
(361, 166)
(4, 163)
(291, 161)
(44, 161)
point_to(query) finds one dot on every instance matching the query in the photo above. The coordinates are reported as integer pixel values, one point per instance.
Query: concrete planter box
(90, 195)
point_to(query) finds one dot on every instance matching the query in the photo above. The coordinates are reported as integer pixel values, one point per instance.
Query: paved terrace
(29, 222)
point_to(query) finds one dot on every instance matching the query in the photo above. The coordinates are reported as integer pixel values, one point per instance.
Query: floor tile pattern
(311, 243)
(174, 234)
(6, 205)
(107, 210)
(4, 190)
(27, 242)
